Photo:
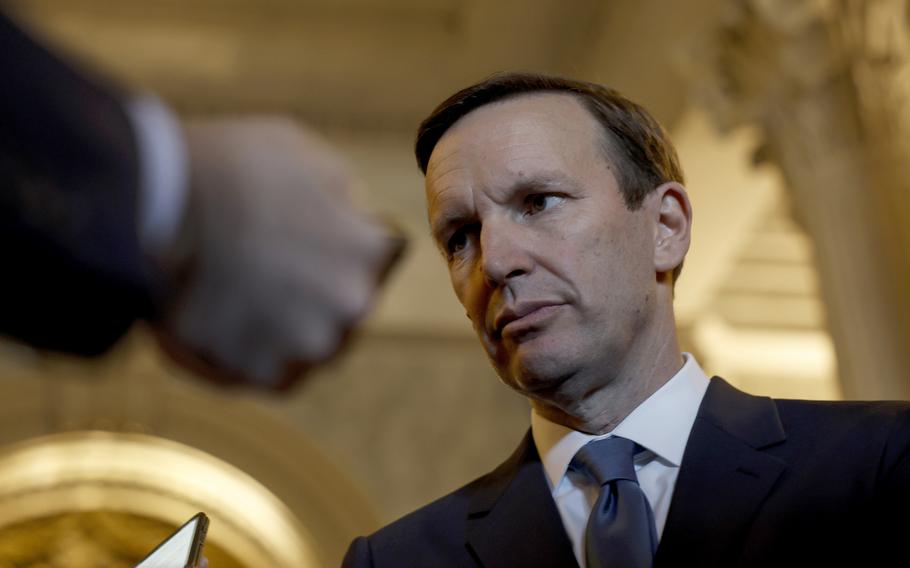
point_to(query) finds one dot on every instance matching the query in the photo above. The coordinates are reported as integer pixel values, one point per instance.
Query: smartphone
(183, 549)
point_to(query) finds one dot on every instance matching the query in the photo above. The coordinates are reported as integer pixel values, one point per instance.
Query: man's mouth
(516, 319)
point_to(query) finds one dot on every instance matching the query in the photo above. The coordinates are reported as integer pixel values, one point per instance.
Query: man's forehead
(523, 117)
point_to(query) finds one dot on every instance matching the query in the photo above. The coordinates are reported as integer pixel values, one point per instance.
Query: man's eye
(461, 238)
(456, 242)
(540, 202)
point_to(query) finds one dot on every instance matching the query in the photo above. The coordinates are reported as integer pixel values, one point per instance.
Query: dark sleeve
(73, 276)
(358, 554)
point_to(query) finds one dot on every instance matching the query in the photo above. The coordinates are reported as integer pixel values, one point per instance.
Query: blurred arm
(235, 237)
(74, 274)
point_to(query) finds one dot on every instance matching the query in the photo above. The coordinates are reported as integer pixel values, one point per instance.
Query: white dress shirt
(163, 172)
(661, 425)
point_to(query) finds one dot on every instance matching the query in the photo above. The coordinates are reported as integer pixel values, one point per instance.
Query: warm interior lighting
(152, 477)
(786, 364)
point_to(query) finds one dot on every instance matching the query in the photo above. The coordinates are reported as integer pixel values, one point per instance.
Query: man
(235, 238)
(559, 208)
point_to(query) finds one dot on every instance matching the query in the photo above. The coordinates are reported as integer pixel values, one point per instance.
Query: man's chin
(537, 378)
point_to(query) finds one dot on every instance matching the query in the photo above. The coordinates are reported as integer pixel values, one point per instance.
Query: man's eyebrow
(543, 181)
(442, 224)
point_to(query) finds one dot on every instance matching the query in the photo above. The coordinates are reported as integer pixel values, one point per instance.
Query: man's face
(556, 274)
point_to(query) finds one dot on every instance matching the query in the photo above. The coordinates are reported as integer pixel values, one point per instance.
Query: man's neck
(602, 409)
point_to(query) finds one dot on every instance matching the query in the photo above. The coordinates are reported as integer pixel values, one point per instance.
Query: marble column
(828, 83)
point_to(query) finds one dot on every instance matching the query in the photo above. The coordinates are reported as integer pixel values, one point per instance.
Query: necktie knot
(607, 460)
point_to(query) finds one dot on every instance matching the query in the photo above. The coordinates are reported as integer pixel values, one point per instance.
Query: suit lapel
(512, 518)
(724, 477)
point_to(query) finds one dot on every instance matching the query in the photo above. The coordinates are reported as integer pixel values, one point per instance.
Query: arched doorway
(118, 452)
(104, 498)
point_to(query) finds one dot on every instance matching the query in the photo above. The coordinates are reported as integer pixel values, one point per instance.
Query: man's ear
(674, 226)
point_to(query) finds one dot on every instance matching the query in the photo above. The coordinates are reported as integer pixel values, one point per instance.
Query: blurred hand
(277, 263)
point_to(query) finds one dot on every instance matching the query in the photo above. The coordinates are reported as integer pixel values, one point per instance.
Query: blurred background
(792, 119)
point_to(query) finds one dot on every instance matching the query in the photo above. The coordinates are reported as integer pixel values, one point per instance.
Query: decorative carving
(828, 82)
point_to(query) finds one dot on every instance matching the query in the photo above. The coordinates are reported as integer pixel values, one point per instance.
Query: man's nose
(504, 251)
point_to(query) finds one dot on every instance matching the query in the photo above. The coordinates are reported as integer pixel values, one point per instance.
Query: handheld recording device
(183, 549)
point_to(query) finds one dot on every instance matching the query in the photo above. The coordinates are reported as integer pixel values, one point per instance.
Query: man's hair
(636, 145)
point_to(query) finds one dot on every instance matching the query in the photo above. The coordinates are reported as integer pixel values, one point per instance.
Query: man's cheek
(489, 345)
(494, 349)
(465, 290)
(474, 299)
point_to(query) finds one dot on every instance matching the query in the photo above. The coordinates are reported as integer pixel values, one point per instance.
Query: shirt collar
(660, 424)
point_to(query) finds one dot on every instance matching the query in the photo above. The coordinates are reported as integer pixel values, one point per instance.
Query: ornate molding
(828, 83)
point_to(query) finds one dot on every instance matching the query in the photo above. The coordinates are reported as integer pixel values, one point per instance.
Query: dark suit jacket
(763, 483)
(73, 277)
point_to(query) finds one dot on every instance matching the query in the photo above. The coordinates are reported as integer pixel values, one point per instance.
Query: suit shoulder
(879, 431)
(852, 414)
(433, 535)
(441, 512)
(436, 534)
